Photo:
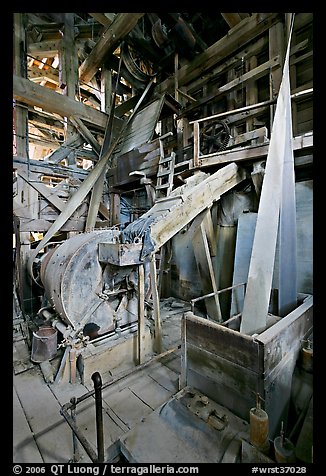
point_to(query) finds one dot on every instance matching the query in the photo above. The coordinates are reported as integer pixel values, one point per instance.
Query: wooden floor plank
(42, 410)
(166, 377)
(42, 434)
(25, 449)
(86, 417)
(150, 392)
(127, 406)
(173, 361)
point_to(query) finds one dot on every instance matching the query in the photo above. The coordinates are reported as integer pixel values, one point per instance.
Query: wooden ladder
(165, 172)
(164, 182)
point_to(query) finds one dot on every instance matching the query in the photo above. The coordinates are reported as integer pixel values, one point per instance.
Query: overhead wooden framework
(122, 24)
(204, 65)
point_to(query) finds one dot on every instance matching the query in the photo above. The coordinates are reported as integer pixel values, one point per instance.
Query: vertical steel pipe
(96, 377)
(76, 455)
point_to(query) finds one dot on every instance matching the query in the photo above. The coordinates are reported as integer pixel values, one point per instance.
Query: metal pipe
(72, 361)
(65, 330)
(76, 455)
(192, 302)
(96, 377)
(81, 438)
(126, 374)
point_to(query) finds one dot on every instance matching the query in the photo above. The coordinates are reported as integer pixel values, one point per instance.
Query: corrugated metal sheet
(141, 128)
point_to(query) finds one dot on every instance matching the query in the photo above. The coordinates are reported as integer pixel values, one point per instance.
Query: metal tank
(89, 295)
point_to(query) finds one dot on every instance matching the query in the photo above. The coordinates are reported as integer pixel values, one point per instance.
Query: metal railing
(71, 406)
(217, 294)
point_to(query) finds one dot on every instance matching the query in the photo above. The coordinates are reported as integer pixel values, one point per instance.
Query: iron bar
(71, 420)
(76, 455)
(192, 302)
(96, 377)
(126, 374)
(81, 438)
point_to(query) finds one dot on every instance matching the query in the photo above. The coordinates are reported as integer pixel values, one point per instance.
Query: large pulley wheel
(139, 68)
(214, 137)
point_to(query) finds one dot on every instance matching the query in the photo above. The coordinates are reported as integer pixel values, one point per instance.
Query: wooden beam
(44, 120)
(46, 168)
(106, 90)
(114, 209)
(29, 93)
(198, 198)
(249, 51)
(101, 18)
(276, 47)
(20, 64)
(68, 71)
(254, 74)
(156, 305)
(95, 201)
(68, 58)
(206, 272)
(46, 49)
(41, 225)
(122, 24)
(260, 274)
(231, 19)
(126, 106)
(249, 29)
(251, 92)
(46, 192)
(141, 314)
(34, 72)
(86, 133)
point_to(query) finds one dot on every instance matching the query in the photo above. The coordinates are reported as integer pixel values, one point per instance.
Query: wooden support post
(196, 145)
(211, 235)
(114, 209)
(251, 92)
(156, 306)
(20, 69)
(106, 90)
(27, 197)
(257, 298)
(183, 374)
(276, 47)
(176, 84)
(293, 82)
(231, 98)
(206, 272)
(96, 198)
(68, 71)
(141, 314)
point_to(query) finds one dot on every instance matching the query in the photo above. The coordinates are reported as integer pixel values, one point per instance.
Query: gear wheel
(214, 137)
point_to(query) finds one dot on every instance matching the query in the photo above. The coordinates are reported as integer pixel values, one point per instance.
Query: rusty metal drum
(73, 278)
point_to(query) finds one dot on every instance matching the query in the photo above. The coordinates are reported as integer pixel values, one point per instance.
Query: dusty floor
(40, 433)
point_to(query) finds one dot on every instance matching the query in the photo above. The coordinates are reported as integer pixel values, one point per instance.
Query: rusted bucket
(44, 344)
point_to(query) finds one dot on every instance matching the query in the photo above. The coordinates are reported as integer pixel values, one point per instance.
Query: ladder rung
(164, 172)
(169, 199)
(180, 164)
(165, 159)
(165, 185)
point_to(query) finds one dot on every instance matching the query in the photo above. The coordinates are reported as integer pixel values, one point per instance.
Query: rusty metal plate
(120, 254)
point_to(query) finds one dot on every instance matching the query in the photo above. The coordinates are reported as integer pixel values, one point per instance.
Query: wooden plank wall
(224, 364)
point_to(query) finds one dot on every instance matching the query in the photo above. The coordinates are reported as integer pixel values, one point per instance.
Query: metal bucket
(44, 344)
